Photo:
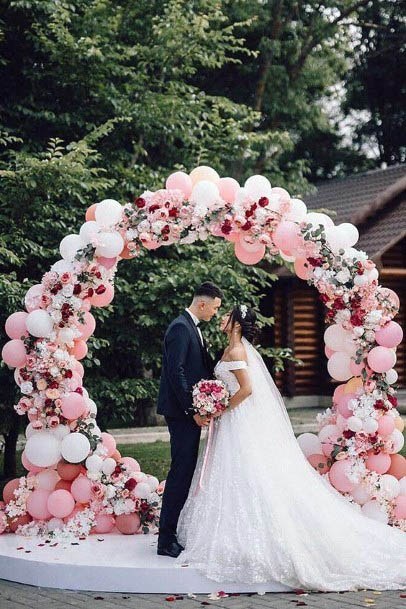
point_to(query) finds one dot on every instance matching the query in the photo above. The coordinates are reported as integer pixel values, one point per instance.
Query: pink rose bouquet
(210, 397)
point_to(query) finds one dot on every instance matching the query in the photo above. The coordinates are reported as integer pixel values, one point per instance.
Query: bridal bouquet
(210, 397)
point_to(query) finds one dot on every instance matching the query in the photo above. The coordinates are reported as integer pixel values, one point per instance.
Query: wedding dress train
(263, 513)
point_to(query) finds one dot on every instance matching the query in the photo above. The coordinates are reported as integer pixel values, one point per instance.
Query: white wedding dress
(264, 514)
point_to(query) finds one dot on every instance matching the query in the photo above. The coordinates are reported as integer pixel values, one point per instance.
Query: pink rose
(66, 277)
(53, 422)
(37, 424)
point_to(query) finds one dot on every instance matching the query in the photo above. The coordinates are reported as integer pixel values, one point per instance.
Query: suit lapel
(194, 328)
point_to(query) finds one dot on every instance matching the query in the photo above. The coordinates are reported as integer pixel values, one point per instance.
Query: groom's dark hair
(208, 289)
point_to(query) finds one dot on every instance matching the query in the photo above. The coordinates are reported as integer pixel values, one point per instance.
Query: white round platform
(107, 563)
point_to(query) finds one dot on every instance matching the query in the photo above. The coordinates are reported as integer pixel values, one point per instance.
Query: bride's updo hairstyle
(247, 318)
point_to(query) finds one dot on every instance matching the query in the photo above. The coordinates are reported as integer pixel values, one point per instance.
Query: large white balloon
(297, 211)
(94, 463)
(60, 431)
(339, 366)
(69, 246)
(88, 231)
(334, 337)
(75, 447)
(258, 186)
(205, 193)
(373, 510)
(398, 441)
(391, 376)
(317, 219)
(390, 486)
(142, 490)
(110, 244)
(39, 323)
(310, 444)
(402, 486)
(349, 234)
(43, 449)
(108, 212)
(109, 465)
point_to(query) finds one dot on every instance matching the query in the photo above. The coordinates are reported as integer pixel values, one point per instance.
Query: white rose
(343, 276)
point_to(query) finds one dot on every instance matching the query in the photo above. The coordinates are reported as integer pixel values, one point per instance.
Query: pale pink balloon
(338, 391)
(249, 257)
(342, 405)
(180, 181)
(103, 523)
(33, 297)
(151, 245)
(14, 353)
(108, 263)
(329, 352)
(73, 405)
(47, 479)
(128, 524)
(378, 463)
(15, 325)
(78, 368)
(81, 489)
(86, 304)
(390, 335)
(400, 507)
(78, 508)
(60, 503)
(79, 350)
(9, 488)
(131, 464)
(228, 188)
(381, 359)
(281, 193)
(386, 424)
(88, 327)
(68, 471)
(327, 445)
(356, 369)
(233, 237)
(302, 271)
(102, 300)
(109, 443)
(319, 462)
(37, 504)
(28, 465)
(285, 236)
(391, 295)
(74, 382)
(338, 476)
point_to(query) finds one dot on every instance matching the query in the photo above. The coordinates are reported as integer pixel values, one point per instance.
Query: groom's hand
(201, 421)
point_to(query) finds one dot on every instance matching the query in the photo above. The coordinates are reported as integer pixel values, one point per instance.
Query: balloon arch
(77, 481)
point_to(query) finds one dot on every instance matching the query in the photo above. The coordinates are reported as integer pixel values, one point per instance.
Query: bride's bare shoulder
(237, 354)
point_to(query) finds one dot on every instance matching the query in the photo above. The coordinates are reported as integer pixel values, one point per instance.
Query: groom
(185, 361)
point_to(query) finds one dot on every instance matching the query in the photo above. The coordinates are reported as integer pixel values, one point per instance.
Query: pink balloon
(381, 359)
(102, 300)
(15, 325)
(131, 464)
(33, 297)
(319, 462)
(68, 471)
(60, 503)
(391, 295)
(180, 181)
(151, 245)
(356, 369)
(249, 257)
(9, 488)
(302, 271)
(228, 188)
(81, 489)
(327, 445)
(63, 484)
(19, 521)
(329, 352)
(285, 236)
(338, 391)
(78, 508)
(47, 479)
(342, 405)
(378, 463)
(128, 524)
(28, 465)
(109, 443)
(37, 504)
(386, 424)
(14, 353)
(103, 523)
(73, 405)
(338, 476)
(108, 263)
(79, 350)
(88, 327)
(400, 507)
(78, 368)
(390, 335)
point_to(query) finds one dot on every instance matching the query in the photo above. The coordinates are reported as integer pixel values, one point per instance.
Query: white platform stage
(107, 563)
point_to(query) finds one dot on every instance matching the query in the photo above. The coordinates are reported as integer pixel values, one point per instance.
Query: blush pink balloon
(103, 523)
(386, 424)
(338, 391)
(302, 271)
(378, 463)
(356, 369)
(68, 471)
(151, 245)
(329, 352)
(60, 503)
(131, 464)
(342, 405)
(233, 237)
(37, 504)
(128, 524)
(108, 263)
(73, 405)
(14, 353)
(180, 181)
(381, 359)
(88, 327)
(9, 488)
(391, 296)
(228, 188)
(109, 443)
(390, 335)
(102, 300)
(28, 465)
(338, 476)
(249, 257)
(78, 368)
(15, 325)
(285, 236)
(319, 462)
(47, 479)
(81, 489)
(33, 297)
(327, 445)
(79, 349)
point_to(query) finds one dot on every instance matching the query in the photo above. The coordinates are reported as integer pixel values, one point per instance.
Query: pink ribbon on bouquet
(206, 456)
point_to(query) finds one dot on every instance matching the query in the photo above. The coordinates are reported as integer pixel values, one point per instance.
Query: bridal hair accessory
(243, 309)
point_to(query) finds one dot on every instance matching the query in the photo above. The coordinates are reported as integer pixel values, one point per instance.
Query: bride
(257, 511)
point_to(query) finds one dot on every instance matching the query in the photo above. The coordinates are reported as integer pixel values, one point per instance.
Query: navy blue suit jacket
(185, 361)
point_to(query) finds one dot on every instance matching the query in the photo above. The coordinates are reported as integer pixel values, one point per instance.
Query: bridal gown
(262, 513)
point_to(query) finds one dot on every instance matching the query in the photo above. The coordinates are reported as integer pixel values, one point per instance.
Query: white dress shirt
(196, 321)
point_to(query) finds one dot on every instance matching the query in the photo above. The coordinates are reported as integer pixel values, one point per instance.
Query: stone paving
(19, 596)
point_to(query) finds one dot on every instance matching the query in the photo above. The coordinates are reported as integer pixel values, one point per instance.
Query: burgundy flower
(249, 213)
(153, 208)
(68, 374)
(100, 289)
(247, 225)
(77, 288)
(393, 400)
(165, 230)
(357, 318)
(315, 261)
(226, 227)
(140, 202)
(348, 434)
(173, 213)
(130, 484)
(324, 298)
(90, 292)
(339, 303)
(263, 202)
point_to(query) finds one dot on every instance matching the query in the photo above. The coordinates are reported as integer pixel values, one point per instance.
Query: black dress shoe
(173, 549)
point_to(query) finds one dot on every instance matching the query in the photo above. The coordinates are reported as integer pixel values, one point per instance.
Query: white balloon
(390, 486)
(39, 323)
(109, 465)
(402, 486)
(360, 280)
(94, 463)
(88, 231)
(92, 407)
(373, 510)
(338, 366)
(327, 432)
(205, 193)
(297, 211)
(47, 479)
(317, 219)
(372, 275)
(142, 490)
(69, 246)
(258, 186)
(349, 345)
(310, 444)
(75, 447)
(391, 376)
(360, 494)
(153, 483)
(348, 233)
(140, 476)
(334, 337)
(110, 244)
(43, 449)
(62, 266)
(60, 431)
(354, 423)
(108, 212)
(398, 441)
(55, 523)
(370, 425)
(30, 431)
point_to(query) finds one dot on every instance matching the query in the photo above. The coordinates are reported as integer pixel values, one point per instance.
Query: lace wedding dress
(262, 513)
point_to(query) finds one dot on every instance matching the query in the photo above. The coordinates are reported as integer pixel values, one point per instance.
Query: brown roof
(374, 201)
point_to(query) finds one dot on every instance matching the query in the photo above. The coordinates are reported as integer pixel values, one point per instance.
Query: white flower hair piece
(243, 309)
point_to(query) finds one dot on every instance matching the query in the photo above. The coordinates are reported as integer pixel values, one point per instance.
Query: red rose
(263, 202)
(90, 292)
(247, 225)
(393, 400)
(140, 202)
(348, 434)
(153, 208)
(100, 289)
(356, 318)
(324, 298)
(249, 213)
(79, 390)
(315, 261)
(130, 484)
(339, 303)
(77, 288)
(165, 230)
(68, 374)
(226, 227)
(173, 213)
